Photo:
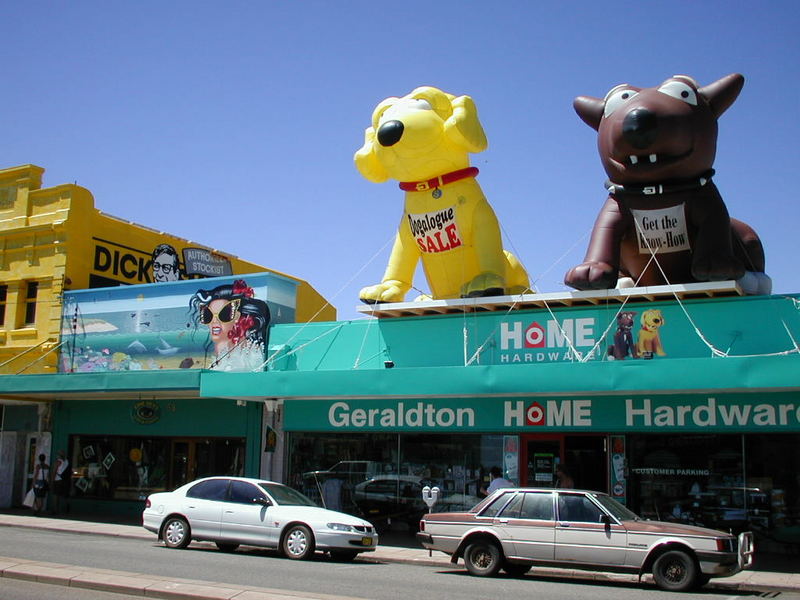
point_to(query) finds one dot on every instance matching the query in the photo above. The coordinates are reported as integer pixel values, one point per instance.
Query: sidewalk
(771, 573)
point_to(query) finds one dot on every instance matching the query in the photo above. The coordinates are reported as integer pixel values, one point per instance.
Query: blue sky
(234, 123)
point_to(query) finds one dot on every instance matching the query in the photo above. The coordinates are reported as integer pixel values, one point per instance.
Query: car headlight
(342, 527)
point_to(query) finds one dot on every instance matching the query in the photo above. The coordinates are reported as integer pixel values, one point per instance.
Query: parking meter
(430, 496)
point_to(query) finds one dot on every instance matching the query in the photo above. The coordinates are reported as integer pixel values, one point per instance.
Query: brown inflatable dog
(657, 146)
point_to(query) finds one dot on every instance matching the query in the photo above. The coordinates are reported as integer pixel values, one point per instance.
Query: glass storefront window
(130, 468)
(730, 482)
(677, 478)
(772, 469)
(381, 476)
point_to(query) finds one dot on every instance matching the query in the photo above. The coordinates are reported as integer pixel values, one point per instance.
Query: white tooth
(653, 158)
(634, 159)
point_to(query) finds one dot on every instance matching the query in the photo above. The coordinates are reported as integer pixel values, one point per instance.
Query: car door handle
(503, 521)
(229, 512)
(563, 524)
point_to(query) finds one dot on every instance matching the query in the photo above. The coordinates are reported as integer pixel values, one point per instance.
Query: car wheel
(298, 543)
(675, 571)
(343, 555)
(176, 533)
(516, 569)
(482, 558)
(227, 547)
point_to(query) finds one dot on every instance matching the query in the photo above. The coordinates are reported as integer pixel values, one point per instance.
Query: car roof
(391, 477)
(551, 490)
(235, 478)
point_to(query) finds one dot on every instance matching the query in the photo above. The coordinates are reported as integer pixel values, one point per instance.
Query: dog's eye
(679, 90)
(422, 104)
(617, 97)
(376, 118)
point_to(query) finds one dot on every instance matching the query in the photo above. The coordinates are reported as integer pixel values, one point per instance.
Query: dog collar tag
(436, 193)
(439, 181)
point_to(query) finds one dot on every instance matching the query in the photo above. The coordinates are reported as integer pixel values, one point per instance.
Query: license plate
(366, 541)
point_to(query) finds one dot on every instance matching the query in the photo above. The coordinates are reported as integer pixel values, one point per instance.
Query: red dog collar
(437, 182)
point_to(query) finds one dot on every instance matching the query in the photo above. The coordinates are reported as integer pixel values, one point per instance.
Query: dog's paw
(716, 267)
(591, 276)
(387, 291)
(755, 284)
(483, 285)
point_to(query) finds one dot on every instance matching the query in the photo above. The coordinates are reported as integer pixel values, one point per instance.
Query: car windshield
(286, 496)
(617, 510)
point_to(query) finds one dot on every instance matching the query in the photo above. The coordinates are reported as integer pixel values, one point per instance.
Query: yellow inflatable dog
(423, 140)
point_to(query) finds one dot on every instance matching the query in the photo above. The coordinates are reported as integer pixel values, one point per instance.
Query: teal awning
(101, 386)
(750, 374)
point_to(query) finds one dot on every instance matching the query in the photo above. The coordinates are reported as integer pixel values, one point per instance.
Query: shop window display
(381, 476)
(130, 468)
(729, 482)
(773, 468)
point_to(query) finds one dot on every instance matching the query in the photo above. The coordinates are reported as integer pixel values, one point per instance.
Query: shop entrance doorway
(192, 458)
(585, 458)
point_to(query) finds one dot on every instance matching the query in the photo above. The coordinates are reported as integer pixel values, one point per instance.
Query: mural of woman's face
(219, 315)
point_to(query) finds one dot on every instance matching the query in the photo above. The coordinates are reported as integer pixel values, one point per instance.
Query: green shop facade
(126, 407)
(128, 434)
(702, 427)
(698, 420)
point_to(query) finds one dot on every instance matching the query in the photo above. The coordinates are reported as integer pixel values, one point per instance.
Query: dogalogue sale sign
(778, 412)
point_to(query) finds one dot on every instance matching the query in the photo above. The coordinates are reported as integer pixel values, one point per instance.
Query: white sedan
(237, 510)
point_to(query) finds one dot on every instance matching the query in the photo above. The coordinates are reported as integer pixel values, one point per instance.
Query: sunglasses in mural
(226, 314)
(236, 324)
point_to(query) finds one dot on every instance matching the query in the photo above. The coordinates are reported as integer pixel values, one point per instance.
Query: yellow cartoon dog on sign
(649, 337)
(423, 140)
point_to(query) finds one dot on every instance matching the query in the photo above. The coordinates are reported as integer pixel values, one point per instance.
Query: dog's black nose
(640, 127)
(390, 133)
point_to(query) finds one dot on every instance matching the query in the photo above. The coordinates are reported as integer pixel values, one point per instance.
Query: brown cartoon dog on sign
(664, 221)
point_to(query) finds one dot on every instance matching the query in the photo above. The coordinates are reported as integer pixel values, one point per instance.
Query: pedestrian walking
(41, 484)
(62, 479)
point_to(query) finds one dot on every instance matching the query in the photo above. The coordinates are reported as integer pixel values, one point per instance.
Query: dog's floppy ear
(463, 127)
(723, 92)
(366, 162)
(589, 109)
(441, 102)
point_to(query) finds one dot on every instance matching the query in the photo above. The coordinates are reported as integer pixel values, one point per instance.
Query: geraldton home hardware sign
(654, 413)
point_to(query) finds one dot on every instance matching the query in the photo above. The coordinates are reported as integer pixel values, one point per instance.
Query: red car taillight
(422, 525)
(726, 545)
(147, 503)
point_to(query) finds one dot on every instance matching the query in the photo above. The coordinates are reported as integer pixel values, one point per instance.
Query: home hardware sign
(779, 412)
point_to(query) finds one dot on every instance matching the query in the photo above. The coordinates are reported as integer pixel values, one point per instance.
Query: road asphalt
(782, 574)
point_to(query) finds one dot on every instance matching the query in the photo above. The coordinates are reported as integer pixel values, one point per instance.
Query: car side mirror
(262, 501)
(605, 520)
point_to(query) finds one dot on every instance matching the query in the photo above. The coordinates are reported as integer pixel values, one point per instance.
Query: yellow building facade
(54, 239)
